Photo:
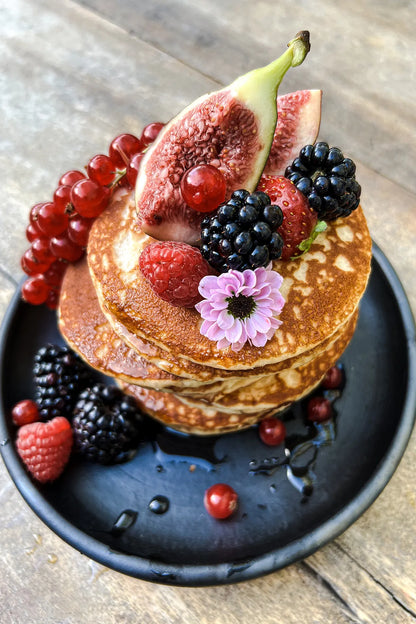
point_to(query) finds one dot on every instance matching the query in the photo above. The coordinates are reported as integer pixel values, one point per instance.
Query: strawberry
(300, 224)
(174, 271)
(45, 447)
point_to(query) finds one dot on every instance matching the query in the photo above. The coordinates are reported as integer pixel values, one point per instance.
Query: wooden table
(75, 74)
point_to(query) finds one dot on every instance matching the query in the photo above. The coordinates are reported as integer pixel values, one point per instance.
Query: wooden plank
(62, 103)
(368, 80)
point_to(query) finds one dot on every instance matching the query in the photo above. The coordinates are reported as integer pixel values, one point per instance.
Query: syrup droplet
(52, 558)
(125, 520)
(159, 505)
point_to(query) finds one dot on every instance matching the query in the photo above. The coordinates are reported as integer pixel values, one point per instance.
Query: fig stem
(268, 78)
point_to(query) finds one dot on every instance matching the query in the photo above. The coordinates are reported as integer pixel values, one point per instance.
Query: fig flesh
(231, 129)
(298, 121)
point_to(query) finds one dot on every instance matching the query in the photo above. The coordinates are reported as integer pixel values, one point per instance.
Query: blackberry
(327, 179)
(106, 424)
(242, 234)
(59, 375)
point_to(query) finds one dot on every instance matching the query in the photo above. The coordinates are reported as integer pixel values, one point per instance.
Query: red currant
(54, 274)
(203, 188)
(272, 431)
(25, 412)
(62, 247)
(89, 198)
(333, 378)
(31, 266)
(101, 169)
(150, 132)
(123, 147)
(319, 409)
(33, 232)
(35, 290)
(70, 177)
(133, 168)
(34, 211)
(78, 230)
(41, 251)
(220, 500)
(62, 198)
(52, 221)
(52, 300)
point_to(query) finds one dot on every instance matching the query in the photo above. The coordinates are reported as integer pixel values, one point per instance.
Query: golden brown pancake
(322, 289)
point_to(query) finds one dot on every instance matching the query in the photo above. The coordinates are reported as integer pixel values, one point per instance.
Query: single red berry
(54, 274)
(174, 271)
(299, 220)
(45, 447)
(25, 412)
(203, 188)
(272, 431)
(52, 300)
(79, 229)
(70, 177)
(220, 500)
(52, 220)
(62, 198)
(150, 132)
(41, 251)
(34, 211)
(333, 378)
(89, 198)
(63, 248)
(33, 232)
(133, 169)
(101, 169)
(123, 147)
(35, 290)
(31, 266)
(319, 409)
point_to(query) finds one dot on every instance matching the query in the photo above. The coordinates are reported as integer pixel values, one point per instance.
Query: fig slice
(231, 129)
(298, 121)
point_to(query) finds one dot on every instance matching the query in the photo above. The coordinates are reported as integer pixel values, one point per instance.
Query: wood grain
(72, 76)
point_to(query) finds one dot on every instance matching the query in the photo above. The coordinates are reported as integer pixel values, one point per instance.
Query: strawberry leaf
(305, 245)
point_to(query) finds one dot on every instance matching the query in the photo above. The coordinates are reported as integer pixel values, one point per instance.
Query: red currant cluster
(58, 230)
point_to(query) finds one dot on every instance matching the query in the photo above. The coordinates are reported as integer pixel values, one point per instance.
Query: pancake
(170, 410)
(85, 328)
(322, 289)
(272, 391)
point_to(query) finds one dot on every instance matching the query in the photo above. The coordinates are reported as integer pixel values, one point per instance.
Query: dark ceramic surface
(286, 511)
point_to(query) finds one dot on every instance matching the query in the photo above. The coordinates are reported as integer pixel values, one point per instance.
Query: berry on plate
(319, 409)
(45, 447)
(174, 271)
(25, 412)
(300, 224)
(334, 378)
(220, 500)
(272, 431)
(242, 234)
(106, 424)
(59, 376)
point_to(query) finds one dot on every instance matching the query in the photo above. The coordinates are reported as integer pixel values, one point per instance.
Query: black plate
(285, 513)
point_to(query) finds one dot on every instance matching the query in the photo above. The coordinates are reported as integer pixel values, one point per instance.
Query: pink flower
(240, 307)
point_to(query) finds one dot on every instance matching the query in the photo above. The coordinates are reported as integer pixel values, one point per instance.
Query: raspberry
(106, 424)
(242, 234)
(174, 271)
(300, 225)
(327, 179)
(45, 447)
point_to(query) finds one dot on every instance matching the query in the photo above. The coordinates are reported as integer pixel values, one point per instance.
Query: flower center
(241, 306)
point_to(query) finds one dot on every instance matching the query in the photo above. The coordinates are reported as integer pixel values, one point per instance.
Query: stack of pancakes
(109, 314)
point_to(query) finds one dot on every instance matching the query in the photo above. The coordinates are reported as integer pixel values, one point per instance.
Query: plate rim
(199, 575)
